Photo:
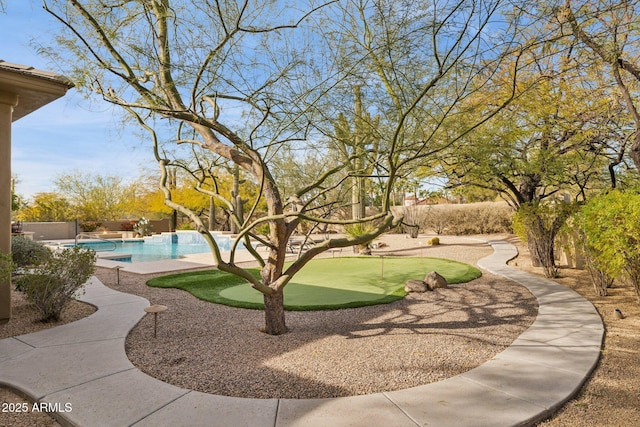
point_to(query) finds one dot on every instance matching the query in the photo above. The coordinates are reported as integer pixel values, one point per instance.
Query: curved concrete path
(84, 364)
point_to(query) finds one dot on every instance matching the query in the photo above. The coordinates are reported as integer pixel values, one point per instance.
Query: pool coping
(185, 263)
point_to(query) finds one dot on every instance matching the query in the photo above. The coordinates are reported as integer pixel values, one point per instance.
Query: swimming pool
(157, 247)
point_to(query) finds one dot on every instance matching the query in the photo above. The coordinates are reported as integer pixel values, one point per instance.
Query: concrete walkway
(84, 364)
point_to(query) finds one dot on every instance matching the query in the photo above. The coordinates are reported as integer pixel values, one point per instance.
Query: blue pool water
(157, 247)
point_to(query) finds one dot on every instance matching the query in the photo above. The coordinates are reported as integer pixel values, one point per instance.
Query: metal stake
(118, 267)
(155, 309)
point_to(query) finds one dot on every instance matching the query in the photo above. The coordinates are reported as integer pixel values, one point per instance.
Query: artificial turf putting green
(324, 284)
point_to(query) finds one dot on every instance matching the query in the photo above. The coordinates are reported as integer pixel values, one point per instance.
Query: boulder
(416, 286)
(435, 281)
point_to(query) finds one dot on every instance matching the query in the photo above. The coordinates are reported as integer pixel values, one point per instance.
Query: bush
(54, 282)
(89, 226)
(600, 279)
(611, 226)
(26, 252)
(434, 241)
(186, 226)
(357, 230)
(6, 267)
(438, 220)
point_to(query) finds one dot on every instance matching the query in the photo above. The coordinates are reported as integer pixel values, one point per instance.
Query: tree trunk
(600, 279)
(634, 151)
(533, 252)
(237, 201)
(212, 214)
(274, 314)
(541, 247)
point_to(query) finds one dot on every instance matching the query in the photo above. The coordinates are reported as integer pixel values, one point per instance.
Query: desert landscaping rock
(435, 281)
(416, 286)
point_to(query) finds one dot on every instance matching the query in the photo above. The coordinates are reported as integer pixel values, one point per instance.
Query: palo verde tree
(96, 197)
(553, 140)
(242, 79)
(411, 66)
(609, 29)
(220, 185)
(47, 207)
(295, 169)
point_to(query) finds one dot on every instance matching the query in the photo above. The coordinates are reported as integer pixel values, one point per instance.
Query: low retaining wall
(70, 229)
(51, 230)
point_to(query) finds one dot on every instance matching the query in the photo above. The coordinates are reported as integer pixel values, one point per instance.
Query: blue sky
(69, 134)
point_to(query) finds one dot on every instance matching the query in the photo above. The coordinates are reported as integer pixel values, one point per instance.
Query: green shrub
(186, 226)
(26, 252)
(54, 282)
(611, 226)
(6, 267)
(89, 226)
(573, 242)
(600, 279)
(434, 241)
(357, 230)
(263, 229)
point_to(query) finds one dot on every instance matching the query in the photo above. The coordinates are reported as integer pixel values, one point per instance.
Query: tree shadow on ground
(457, 310)
(417, 340)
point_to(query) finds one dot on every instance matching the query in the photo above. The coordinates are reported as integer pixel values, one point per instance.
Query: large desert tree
(556, 138)
(610, 30)
(244, 79)
(47, 207)
(96, 197)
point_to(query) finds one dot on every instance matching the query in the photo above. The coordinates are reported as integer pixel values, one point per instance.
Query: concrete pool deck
(187, 262)
(84, 364)
(151, 267)
(184, 263)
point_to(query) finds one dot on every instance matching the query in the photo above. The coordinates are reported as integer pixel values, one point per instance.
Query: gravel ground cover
(420, 339)
(609, 398)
